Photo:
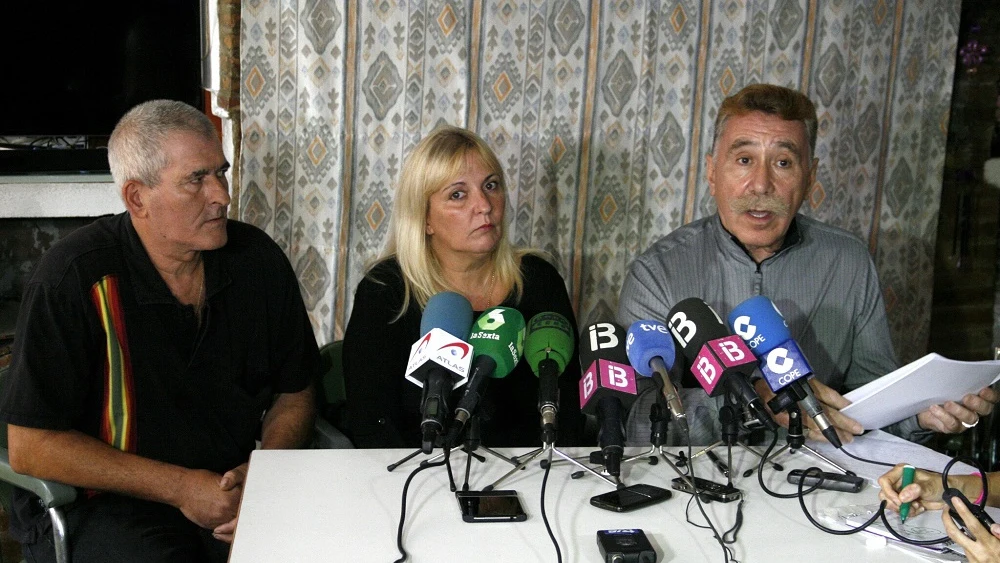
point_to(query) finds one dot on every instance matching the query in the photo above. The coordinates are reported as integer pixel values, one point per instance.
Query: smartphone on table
(630, 498)
(491, 506)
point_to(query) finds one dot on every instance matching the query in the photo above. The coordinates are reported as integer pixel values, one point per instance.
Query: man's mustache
(768, 203)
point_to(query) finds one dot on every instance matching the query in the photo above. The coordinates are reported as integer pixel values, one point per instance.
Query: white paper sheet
(916, 386)
(885, 448)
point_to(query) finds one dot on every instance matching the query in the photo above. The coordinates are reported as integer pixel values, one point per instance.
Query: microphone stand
(797, 439)
(549, 433)
(471, 443)
(659, 421)
(730, 434)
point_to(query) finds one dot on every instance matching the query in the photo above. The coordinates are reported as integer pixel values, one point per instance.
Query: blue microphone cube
(783, 365)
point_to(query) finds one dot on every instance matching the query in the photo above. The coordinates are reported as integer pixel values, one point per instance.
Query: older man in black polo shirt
(153, 348)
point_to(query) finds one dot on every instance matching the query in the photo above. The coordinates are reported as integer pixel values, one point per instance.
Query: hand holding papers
(916, 386)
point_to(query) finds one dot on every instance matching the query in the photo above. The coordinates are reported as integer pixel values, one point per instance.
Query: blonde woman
(448, 234)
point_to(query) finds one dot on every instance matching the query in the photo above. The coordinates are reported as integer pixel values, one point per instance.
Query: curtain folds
(601, 113)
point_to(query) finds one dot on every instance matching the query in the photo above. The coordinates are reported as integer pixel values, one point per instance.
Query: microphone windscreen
(602, 341)
(499, 334)
(647, 340)
(550, 336)
(759, 323)
(448, 311)
(693, 322)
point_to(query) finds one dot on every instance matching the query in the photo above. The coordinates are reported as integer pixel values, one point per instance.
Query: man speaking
(820, 277)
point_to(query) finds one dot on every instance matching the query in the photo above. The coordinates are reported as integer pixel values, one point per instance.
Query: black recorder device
(625, 546)
(827, 480)
(707, 490)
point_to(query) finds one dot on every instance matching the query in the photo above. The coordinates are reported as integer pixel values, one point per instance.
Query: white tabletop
(343, 505)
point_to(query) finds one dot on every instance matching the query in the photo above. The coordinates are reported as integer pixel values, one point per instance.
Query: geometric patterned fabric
(601, 113)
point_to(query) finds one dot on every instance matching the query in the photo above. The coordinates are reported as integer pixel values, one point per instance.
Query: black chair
(331, 422)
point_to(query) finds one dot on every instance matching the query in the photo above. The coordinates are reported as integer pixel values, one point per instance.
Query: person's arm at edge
(73, 458)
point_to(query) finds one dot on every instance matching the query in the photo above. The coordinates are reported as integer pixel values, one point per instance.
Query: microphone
(440, 360)
(650, 350)
(720, 361)
(786, 370)
(607, 388)
(497, 339)
(548, 348)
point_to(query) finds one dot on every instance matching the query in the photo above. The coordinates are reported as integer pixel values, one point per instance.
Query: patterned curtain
(601, 113)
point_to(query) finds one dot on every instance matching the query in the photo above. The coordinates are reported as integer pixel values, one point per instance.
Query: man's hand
(953, 418)
(830, 400)
(232, 480)
(985, 548)
(203, 501)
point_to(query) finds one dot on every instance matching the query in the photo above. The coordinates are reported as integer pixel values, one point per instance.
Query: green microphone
(497, 339)
(548, 349)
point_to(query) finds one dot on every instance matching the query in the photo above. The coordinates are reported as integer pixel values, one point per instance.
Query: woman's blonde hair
(435, 162)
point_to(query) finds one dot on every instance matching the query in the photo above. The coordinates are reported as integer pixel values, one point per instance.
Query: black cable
(727, 553)
(545, 519)
(402, 511)
(760, 475)
(852, 456)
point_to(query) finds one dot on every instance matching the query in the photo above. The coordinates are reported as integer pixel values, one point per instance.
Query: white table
(343, 505)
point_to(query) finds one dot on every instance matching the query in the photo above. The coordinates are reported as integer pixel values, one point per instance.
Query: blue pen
(904, 509)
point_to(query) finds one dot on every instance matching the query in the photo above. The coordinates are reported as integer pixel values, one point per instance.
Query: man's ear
(133, 194)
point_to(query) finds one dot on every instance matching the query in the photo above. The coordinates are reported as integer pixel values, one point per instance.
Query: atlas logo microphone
(786, 370)
(607, 388)
(440, 360)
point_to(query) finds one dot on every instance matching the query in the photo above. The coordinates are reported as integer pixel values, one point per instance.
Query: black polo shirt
(103, 347)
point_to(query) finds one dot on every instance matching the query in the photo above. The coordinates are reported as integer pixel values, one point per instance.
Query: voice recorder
(707, 490)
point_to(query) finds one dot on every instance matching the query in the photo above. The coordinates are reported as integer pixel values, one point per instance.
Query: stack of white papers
(913, 388)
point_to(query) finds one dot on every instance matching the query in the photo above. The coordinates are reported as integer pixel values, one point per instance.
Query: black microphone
(440, 360)
(720, 361)
(607, 388)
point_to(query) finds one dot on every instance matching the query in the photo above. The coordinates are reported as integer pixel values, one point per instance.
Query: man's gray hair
(135, 148)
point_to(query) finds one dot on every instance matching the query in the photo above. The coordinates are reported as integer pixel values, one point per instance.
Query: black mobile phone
(831, 481)
(984, 519)
(630, 498)
(491, 506)
(709, 490)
